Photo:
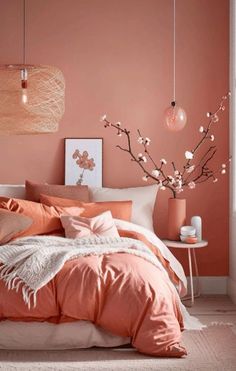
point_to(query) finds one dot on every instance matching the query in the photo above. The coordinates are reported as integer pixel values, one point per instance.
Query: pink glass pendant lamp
(175, 116)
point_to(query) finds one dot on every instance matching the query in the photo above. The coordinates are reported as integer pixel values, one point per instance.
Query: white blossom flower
(163, 161)
(192, 185)
(178, 183)
(223, 171)
(119, 133)
(208, 114)
(160, 183)
(118, 123)
(188, 155)
(145, 178)
(178, 177)
(215, 118)
(212, 138)
(222, 108)
(190, 169)
(103, 118)
(155, 173)
(223, 166)
(140, 140)
(176, 172)
(162, 188)
(201, 129)
(179, 190)
(141, 157)
(215, 180)
(147, 141)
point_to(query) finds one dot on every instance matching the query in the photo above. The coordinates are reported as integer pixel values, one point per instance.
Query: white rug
(211, 349)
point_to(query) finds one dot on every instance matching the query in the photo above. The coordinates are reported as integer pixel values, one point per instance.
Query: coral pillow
(46, 219)
(119, 209)
(100, 225)
(11, 224)
(74, 192)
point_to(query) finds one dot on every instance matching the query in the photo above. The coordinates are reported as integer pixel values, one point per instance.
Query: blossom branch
(159, 169)
(140, 159)
(179, 179)
(198, 166)
(213, 119)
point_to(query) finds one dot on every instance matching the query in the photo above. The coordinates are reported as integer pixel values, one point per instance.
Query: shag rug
(211, 349)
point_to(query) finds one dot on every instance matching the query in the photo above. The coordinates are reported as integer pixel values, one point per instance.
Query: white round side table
(191, 252)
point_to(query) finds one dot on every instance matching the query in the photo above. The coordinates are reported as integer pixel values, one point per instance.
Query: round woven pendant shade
(45, 99)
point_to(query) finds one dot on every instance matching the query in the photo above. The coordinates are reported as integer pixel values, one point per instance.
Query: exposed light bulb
(24, 76)
(24, 97)
(175, 117)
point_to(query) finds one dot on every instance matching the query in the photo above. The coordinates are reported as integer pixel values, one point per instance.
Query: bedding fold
(30, 263)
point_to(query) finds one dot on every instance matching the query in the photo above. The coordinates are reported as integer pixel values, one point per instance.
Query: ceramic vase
(176, 217)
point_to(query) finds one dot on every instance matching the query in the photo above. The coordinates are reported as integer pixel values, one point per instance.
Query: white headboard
(16, 191)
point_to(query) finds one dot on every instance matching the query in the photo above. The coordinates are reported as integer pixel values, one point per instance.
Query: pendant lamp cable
(24, 17)
(24, 72)
(174, 53)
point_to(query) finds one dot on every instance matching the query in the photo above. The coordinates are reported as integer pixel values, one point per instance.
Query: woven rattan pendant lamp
(31, 96)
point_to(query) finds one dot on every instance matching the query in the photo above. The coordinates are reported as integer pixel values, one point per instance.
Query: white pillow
(143, 201)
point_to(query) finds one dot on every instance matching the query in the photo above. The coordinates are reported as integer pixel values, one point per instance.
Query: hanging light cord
(24, 17)
(174, 54)
(24, 72)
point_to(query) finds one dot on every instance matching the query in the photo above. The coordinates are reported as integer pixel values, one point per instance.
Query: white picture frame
(83, 161)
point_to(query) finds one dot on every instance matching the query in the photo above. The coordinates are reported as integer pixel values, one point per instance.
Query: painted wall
(116, 56)
(232, 250)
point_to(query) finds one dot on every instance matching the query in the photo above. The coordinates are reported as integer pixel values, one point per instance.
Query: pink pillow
(79, 226)
(12, 224)
(74, 192)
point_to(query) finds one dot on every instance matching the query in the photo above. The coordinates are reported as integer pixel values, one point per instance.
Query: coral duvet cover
(125, 285)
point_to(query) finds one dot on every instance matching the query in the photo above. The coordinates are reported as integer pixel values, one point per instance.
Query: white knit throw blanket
(29, 263)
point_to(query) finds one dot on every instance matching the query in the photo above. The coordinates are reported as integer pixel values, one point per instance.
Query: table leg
(196, 274)
(191, 275)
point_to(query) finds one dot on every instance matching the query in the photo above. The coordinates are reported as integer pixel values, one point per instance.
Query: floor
(212, 349)
(214, 307)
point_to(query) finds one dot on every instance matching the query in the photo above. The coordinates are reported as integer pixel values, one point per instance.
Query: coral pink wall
(116, 56)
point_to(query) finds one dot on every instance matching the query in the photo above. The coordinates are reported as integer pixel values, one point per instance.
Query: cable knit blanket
(29, 263)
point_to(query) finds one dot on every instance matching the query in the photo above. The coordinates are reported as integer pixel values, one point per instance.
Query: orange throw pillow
(119, 209)
(74, 192)
(46, 219)
(11, 224)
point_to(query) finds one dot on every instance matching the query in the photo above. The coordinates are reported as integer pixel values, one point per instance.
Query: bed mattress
(41, 336)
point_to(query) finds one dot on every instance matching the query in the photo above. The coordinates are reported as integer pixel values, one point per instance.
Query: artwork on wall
(83, 161)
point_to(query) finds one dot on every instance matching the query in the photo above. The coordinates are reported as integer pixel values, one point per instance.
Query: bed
(64, 291)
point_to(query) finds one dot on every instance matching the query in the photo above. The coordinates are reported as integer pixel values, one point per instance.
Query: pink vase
(176, 217)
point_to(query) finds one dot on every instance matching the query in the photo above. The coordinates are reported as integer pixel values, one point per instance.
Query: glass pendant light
(175, 116)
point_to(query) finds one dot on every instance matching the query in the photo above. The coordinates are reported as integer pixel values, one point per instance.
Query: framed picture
(83, 161)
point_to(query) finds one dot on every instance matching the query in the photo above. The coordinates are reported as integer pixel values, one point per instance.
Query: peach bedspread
(123, 293)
